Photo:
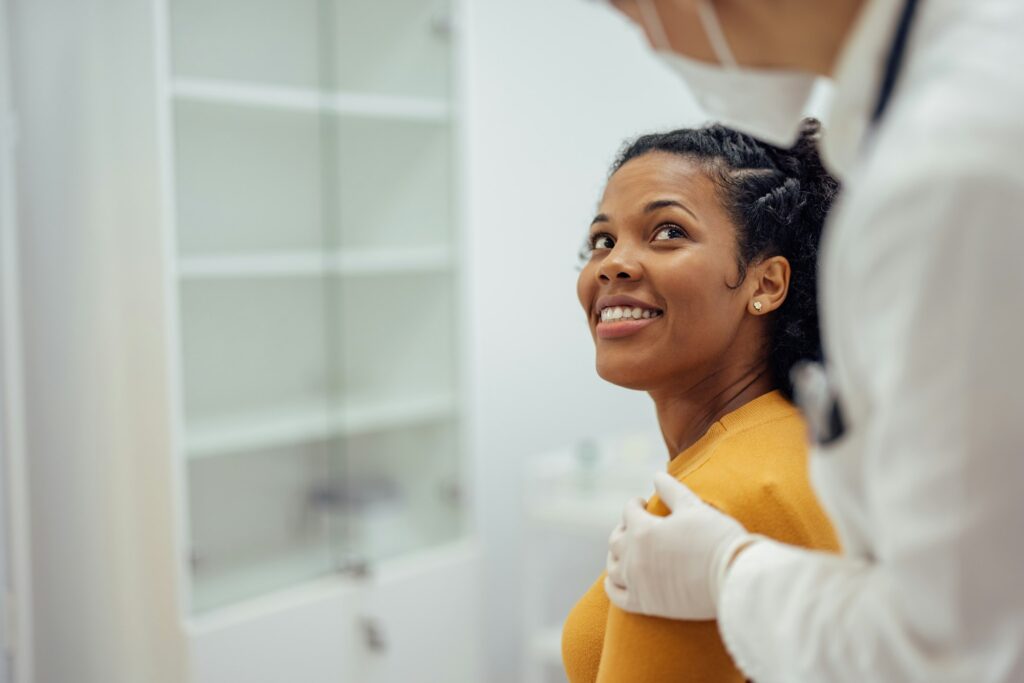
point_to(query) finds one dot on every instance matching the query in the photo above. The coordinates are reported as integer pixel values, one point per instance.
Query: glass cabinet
(316, 262)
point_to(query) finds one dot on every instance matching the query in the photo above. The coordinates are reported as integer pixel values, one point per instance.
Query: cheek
(702, 306)
(585, 286)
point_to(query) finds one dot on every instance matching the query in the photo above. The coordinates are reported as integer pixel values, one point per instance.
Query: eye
(669, 231)
(602, 241)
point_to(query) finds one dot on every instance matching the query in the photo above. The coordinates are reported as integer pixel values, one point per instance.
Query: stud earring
(757, 306)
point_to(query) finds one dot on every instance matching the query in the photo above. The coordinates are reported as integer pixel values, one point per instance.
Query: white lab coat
(922, 297)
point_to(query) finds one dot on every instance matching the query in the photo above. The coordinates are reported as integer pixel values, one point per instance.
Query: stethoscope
(894, 60)
(815, 393)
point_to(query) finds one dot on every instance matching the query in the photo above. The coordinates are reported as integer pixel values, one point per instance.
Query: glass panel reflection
(317, 265)
(256, 525)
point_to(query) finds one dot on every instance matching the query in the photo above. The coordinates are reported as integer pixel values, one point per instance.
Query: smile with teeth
(624, 313)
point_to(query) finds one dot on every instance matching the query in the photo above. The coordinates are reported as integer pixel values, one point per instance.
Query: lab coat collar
(857, 78)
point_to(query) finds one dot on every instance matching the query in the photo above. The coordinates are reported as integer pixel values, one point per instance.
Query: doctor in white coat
(918, 411)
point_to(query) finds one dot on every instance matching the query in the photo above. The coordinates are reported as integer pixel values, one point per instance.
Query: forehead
(660, 175)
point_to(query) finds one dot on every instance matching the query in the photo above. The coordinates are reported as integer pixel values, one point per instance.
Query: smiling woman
(699, 288)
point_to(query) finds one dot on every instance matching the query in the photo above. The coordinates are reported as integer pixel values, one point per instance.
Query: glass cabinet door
(317, 264)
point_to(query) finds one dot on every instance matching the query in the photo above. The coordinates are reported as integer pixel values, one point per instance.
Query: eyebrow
(650, 208)
(664, 203)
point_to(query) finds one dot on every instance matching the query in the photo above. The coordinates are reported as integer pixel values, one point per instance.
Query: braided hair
(778, 200)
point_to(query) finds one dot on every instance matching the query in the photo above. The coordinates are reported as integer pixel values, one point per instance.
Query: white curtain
(15, 576)
(92, 293)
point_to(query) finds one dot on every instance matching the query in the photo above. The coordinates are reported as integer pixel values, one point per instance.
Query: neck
(816, 34)
(684, 415)
(804, 35)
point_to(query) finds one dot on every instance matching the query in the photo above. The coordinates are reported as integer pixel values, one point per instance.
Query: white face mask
(768, 104)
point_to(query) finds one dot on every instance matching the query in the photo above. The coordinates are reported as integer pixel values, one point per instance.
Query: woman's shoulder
(765, 438)
(767, 444)
(767, 413)
(758, 473)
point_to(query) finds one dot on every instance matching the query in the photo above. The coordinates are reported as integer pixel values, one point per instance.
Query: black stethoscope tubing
(894, 60)
(834, 425)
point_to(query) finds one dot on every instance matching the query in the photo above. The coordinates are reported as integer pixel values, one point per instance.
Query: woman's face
(656, 289)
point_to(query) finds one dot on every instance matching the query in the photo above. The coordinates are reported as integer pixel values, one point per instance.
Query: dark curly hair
(778, 200)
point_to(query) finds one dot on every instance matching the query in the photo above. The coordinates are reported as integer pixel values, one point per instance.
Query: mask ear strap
(713, 29)
(649, 15)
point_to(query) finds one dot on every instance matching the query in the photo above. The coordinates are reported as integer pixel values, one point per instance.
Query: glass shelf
(311, 422)
(316, 264)
(297, 513)
(253, 528)
(349, 262)
(249, 40)
(402, 501)
(395, 47)
(248, 179)
(251, 346)
(309, 100)
(394, 183)
(267, 180)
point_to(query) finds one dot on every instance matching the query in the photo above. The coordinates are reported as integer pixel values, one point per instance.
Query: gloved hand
(672, 566)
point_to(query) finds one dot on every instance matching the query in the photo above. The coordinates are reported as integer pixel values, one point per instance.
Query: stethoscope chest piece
(816, 396)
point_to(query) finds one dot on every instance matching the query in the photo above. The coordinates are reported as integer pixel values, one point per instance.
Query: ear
(770, 284)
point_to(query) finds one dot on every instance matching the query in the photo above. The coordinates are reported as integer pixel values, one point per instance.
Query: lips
(616, 330)
(621, 316)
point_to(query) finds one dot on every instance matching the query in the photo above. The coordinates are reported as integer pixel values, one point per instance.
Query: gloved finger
(616, 594)
(673, 492)
(617, 541)
(632, 501)
(635, 515)
(615, 570)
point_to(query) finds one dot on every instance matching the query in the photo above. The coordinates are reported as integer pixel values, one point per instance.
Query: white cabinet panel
(308, 635)
(414, 619)
(437, 641)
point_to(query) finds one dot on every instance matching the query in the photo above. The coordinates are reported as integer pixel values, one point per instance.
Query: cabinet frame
(345, 263)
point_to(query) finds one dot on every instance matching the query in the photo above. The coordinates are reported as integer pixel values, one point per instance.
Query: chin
(625, 375)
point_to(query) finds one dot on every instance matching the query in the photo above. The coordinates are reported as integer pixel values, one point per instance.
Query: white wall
(554, 87)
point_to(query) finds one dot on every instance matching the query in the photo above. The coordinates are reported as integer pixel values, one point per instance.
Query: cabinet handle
(373, 635)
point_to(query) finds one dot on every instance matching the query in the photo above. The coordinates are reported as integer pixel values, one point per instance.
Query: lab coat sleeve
(933, 300)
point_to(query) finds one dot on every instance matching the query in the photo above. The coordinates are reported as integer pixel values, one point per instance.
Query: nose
(619, 264)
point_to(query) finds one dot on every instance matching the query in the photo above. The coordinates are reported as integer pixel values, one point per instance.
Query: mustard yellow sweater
(752, 464)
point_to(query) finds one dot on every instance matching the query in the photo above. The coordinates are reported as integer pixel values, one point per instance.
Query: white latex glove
(672, 566)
